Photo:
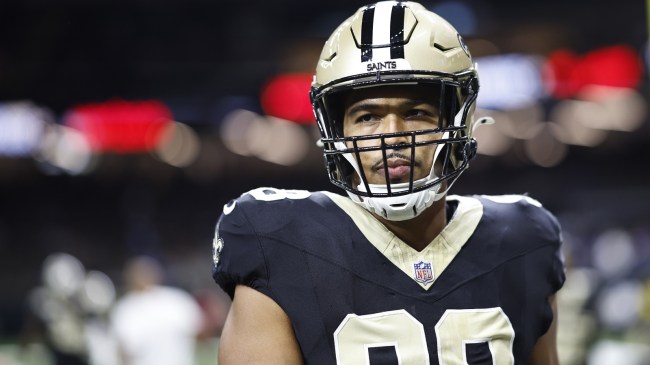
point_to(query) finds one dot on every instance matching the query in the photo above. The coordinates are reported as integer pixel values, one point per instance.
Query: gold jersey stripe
(439, 252)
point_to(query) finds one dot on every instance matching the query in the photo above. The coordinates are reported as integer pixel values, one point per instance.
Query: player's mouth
(398, 168)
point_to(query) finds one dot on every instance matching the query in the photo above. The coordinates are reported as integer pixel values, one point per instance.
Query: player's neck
(421, 230)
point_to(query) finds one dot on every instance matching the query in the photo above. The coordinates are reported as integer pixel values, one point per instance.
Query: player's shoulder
(512, 204)
(510, 200)
(266, 205)
(520, 211)
(265, 224)
(263, 196)
(285, 215)
(524, 226)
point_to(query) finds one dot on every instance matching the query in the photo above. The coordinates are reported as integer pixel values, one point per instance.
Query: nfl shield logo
(423, 272)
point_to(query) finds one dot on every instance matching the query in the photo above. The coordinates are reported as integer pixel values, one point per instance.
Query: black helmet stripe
(366, 34)
(396, 33)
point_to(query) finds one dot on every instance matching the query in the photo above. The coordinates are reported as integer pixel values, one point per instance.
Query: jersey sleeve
(557, 268)
(549, 260)
(548, 227)
(533, 228)
(236, 252)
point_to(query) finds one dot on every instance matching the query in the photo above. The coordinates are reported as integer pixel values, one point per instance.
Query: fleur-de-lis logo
(464, 46)
(217, 246)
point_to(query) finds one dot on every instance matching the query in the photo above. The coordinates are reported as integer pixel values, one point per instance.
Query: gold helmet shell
(396, 43)
(392, 35)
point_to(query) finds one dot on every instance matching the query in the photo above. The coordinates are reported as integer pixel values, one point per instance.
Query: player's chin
(381, 180)
(402, 177)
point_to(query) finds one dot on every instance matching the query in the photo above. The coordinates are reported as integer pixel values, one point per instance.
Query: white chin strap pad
(399, 208)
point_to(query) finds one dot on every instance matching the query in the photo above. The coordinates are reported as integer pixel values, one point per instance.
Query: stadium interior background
(565, 80)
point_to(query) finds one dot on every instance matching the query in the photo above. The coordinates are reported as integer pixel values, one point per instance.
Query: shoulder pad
(237, 254)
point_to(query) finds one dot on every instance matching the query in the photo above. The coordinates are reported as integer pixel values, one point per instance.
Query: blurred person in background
(154, 324)
(399, 271)
(68, 313)
(56, 317)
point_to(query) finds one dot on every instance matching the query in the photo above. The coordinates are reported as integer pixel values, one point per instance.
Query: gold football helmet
(396, 43)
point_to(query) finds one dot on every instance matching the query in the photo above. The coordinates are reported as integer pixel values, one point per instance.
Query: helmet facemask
(450, 145)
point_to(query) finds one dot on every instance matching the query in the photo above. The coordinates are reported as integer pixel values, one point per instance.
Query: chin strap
(400, 208)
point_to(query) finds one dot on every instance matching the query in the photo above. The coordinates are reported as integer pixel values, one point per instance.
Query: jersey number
(273, 194)
(356, 335)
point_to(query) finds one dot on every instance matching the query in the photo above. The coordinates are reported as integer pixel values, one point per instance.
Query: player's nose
(393, 127)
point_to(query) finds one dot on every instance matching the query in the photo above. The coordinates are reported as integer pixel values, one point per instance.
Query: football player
(397, 271)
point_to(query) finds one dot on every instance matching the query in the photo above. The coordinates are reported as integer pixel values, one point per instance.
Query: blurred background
(126, 125)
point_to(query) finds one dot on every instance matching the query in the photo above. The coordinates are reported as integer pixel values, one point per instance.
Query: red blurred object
(615, 66)
(286, 96)
(560, 67)
(121, 126)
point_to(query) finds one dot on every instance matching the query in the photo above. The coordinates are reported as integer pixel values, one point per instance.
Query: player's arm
(257, 331)
(545, 350)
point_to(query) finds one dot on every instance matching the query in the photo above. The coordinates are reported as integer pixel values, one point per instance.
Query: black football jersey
(357, 294)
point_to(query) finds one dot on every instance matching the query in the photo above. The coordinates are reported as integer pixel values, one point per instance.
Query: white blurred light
(66, 149)
(573, 118)
(623, 109)
(613, 252)
(610, 352)
(21, 127)
(270, 139)
(544, 149)
(260, 137)
(179, 146)
(63, 273)
(235, 130)
(509, 81)
(98, 294)
(73, 152)
(619, 306)
(279, 141)
(522, 123)
(580, 284)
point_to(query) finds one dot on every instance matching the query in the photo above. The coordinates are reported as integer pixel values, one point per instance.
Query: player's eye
(419, 113)
(366, 118)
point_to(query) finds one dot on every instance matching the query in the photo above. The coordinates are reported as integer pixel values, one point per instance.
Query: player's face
(392, 109)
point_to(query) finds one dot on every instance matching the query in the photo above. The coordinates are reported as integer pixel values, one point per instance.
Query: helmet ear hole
(472, 147)
(466, 150)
